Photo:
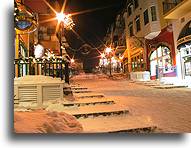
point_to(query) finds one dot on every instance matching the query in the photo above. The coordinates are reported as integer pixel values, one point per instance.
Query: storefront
(184, 48)
(161, 61)
(137, 62)
(25, 23)
(137, 54)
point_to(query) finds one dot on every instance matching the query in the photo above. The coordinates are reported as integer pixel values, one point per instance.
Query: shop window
(159, 52)
(188, 68)
(153, 13)
(166, 51)
(161, 58)
(146, 17)
(50, 31)
(153, 55)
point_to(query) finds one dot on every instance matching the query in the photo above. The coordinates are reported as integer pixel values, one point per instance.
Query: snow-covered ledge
(37, 88)
(176, 81)
(140, 76)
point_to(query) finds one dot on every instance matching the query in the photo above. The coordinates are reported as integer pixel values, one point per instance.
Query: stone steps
(88, 95)
(118, 124)
(149, 129)
(81, 91)
(86, 103)
(96, 111)
(78, 88)
(100, 113)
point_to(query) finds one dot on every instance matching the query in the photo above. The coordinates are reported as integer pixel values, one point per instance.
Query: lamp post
(65, 22)
(102, 64)
(108, 50)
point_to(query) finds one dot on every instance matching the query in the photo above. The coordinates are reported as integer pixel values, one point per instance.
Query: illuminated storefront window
(137, 62)
(161, 60)
(186, 56)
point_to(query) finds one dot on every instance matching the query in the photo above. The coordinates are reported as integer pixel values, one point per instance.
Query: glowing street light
(102, 55)
(38, 51)
(72, 60)
(60, 16)
(121, 57)
(108, 50)
(65, 21)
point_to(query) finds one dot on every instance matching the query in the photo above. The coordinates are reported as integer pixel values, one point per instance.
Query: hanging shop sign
(85, 49)
(25, 20)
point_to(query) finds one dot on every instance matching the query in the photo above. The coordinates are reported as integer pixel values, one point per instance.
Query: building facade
(149, 39)
(178, 12)
(46, 33)
(116, 39)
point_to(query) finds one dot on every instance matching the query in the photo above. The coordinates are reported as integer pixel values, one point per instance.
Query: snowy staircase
(81, 91)
(96, 111)
(89, 95)
(117, 124)
(90, 104)
(158, 85)
(87, 102)
(98, 114)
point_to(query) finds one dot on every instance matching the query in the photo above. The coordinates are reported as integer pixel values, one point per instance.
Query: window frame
(146, 16)
(130, 27)
(153, 13)
(138, 25)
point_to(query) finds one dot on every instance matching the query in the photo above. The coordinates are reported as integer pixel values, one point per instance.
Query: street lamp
(65, 21)
(102, 63)
(108, 50)
(72, 60)
(102, 55)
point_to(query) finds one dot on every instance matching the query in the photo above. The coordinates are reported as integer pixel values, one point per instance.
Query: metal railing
(41, 66)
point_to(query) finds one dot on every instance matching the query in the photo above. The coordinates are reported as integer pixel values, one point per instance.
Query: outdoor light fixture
(38, 51)
(108, 50)
(66, 19)
(121, 58)
(60, 16)
(102, 55)
(72, 61)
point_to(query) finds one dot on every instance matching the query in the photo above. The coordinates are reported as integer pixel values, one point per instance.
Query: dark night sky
(92, 26)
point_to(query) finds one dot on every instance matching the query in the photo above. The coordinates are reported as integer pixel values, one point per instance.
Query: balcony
(170, 4)
(176, 10)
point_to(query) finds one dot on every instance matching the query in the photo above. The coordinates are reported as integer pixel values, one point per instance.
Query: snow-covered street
(168, 109)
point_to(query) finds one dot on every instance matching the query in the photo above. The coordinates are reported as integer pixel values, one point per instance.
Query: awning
(185, 35)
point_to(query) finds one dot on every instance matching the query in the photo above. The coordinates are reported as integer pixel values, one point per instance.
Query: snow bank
(41, 121)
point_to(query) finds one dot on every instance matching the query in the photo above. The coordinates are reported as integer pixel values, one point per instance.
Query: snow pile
(58, 107)
(41, 121)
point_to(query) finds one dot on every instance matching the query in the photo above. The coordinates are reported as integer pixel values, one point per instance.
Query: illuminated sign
(25, 19)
